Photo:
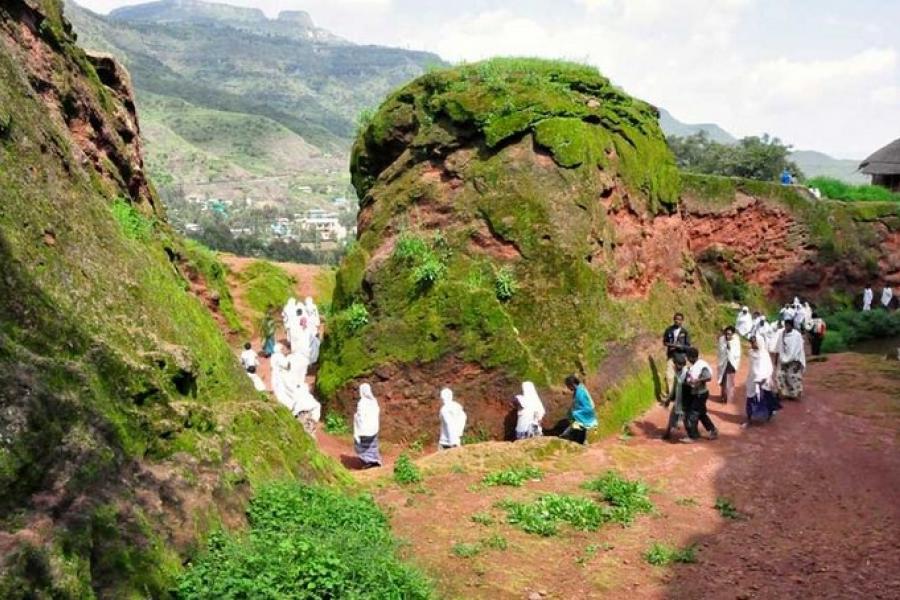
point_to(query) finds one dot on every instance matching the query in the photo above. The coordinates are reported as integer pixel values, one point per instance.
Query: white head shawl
(279, 348)
(365, 392)
(532, 400)
(447, 395)
(760, 362)
(304, 401)
(365, 421)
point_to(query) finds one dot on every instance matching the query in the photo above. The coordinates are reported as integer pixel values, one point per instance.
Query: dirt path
(818, 490)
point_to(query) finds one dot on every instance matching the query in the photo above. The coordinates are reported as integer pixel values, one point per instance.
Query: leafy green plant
(514, 476)
(482, 518)
(132, 223)
(304, 542)
(662, 554)
(405, 470)
(686, 502)
(505, 284)
(544, 515)
(336, 424)
(429, 272)
(628, 498)
(410, 248)
(353, 318)
(727, 509)
(464, 550)
(849, 327)
(476, 435)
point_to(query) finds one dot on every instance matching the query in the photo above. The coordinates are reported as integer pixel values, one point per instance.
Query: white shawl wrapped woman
(453, 421)
(729, 361)
(366, 426)
(531, 412)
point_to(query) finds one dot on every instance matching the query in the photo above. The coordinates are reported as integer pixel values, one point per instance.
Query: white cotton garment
(868, 296)
(729, 351)
(281, 377)
(697, 369)
(453, 420)
(300, 340)
(790, 348)
(365, 421)
(744, 322)
(760, 368)
(305, 402)
(249, 359)
(887, 294)
(531, 409)
(258, 383)
(312, 314)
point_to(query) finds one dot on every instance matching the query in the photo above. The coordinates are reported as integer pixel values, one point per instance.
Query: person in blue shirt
(582, 415)
(786, 178)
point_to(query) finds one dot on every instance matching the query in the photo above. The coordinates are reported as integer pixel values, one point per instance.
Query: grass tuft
(513, 477)
(406, 471)
(662, 554)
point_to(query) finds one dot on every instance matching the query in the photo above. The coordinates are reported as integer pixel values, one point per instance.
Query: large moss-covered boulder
(486, 254)
(127, 429)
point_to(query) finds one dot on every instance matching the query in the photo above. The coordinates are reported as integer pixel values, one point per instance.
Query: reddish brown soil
(818, 488)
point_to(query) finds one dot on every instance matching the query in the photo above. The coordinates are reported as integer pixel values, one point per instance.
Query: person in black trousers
(676, 340)
(698, 376)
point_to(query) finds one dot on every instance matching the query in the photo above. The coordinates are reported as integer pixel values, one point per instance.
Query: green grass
(405, 470)
(660, 555)
(304, 542)
(514, 476)
(133, 224)
(267, 286)
(851, 326)
(495, 541)
(727, 509)
(465, 550)
(629, 498)
(840, 190)
(482, 518)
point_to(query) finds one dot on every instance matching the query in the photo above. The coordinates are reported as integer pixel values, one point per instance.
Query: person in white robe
(453, 421)
(744, 322)
(868, 296)
(258, 383)
(530, 412)
(729, 358)
(312, 314)
(281, 377)
(791, 362)
(306, 408)
(249, 357)
(887, 295)
(365, 428)
(759, 382)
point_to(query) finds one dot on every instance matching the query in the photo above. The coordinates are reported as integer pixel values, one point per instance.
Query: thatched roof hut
(884, 166)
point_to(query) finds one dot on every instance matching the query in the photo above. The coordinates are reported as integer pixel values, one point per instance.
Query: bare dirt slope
(817, 489)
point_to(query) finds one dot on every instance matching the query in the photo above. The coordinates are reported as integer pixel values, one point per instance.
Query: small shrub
(405, 470)
(410, 248)
(513, 477)
(505, 284)
(727, 509)
(429, 272)
(628, 497)
(476, 435)
(495, 542)
(357, 316)
(132, 223)
(463, 550)
(482, 518)
(662, 554)
(335, 424)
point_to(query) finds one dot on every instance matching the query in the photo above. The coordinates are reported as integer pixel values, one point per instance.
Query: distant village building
(884, 166)
(192, 228)
(326, 225)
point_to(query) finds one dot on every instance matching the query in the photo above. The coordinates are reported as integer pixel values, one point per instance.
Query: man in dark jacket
(676, 340)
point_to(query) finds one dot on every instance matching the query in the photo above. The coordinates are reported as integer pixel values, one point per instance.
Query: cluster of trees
(217, 235)
(762, 158)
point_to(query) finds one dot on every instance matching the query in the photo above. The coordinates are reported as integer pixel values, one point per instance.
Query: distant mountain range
(235, 104)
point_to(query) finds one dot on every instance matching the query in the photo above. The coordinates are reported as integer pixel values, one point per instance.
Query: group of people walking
(777, 357)
(886, 300)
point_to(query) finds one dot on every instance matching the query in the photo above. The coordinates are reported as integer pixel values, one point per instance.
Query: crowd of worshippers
(777, 354)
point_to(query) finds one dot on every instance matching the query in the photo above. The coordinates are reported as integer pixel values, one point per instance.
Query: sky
(822, 75)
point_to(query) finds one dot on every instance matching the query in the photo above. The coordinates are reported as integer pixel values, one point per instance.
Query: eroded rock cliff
(126, 428)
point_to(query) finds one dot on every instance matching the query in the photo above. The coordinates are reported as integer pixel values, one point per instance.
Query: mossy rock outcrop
(485, 248)
(126, 428)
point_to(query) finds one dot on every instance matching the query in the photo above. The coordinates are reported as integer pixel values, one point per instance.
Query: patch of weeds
(514, 477)
(458, 469)
(476, 436)
(544, 515)
(628, 498)
(626, 432)
(727, 509)
(662, 554)
(482, 518)
(417, 446)
(591, 551)
(495, 542)
(505, 284)
(405, 471)
(464, 550)
(335, 424)
(132, 223)
(686, 502)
